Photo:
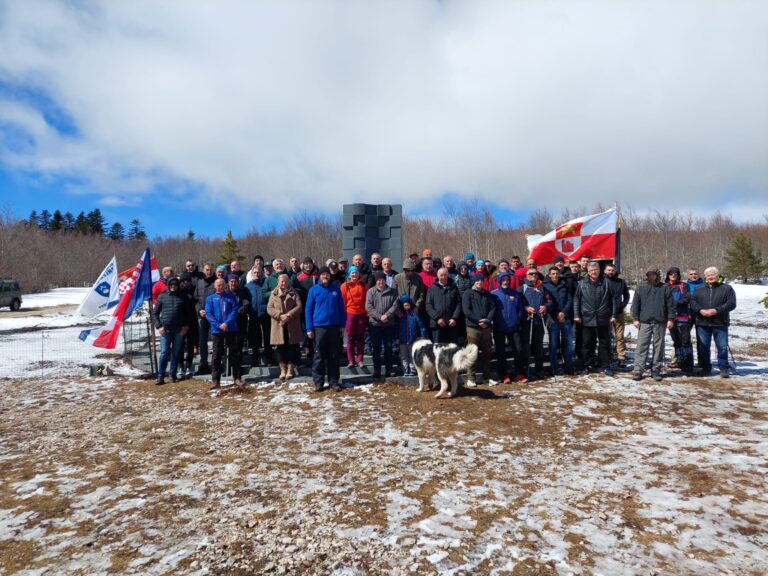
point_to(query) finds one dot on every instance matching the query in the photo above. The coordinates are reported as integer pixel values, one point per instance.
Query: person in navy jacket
(325, 321)
(221, 311)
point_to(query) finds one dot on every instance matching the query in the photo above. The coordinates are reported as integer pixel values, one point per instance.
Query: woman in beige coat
(284, 308)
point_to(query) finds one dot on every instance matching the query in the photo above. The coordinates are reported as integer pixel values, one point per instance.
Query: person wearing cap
(221, 309)
(170, 316)
(325, 318)
(681, 330)
(192, 337)
(342, 274)
(244, 308)
(409, 282)
(508, 329)
(268, 268)
(595, 305)
(381, 305)
(353, 291)
(443, 305)
(620, 287)
(410, 328)
(711, 305)
(414, 258)
(653, 310)
(479, 308)
(338, 275)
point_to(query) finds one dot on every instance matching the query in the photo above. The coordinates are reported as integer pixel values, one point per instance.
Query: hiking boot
(290, 371)
(725, 373)
(608, 372)
(203, 369)
(160, 381)
(520, 378)
(492, 382)
(215, 385)
(637, 377)
(471, 384)
(283, 368)
(336, 387)
(506, 380)
(656, 375)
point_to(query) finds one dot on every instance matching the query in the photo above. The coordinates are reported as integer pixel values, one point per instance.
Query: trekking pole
(733, 360)
(530, 347)
(546, 336)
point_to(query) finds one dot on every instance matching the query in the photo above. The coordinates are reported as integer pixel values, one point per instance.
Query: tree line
(92, 223)
(40, 256)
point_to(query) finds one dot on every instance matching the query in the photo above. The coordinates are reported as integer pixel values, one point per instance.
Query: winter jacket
(158, 288)
(681, 294)
(305, 281)
(695, 284)
(203, 289)
(271, 283)
(721, 297)
(595, 302)
(443, 302)
(411, 327)
(412, 286)
(536, 296)
(620, 288)
(244, 308)
(653, 304)
(510, 310)
(571, 280)
(379, 303)
(463, 283)
(171, 310)
(288, 302)
(562, 298)
(258, 304)
(354, 296)
(222, 309)
(478, 305)
(428, 278)
(325, 307)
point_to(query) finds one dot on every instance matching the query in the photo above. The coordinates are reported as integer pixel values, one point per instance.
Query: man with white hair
(595, 306)
(711, 304)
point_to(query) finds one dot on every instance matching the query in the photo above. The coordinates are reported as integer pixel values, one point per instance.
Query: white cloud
(655, 104)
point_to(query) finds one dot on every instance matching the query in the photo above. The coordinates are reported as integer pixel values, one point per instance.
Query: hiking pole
(530, 346)
(733, 360)
(546, 336)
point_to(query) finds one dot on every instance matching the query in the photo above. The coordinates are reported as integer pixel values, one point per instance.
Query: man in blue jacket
(221, 309)
(326, 318)
(507, 328)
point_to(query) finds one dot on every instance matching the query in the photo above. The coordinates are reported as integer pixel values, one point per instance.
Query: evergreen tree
(230, 250)
(742, 259)
(69, 222)
(96, 222)
(190, 235)
(81, 224)
(57, 222)
(136, 230)
(34, 219)
(44, 221)
(116, 232)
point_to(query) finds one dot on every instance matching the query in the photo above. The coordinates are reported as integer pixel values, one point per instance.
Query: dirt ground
(583, 476)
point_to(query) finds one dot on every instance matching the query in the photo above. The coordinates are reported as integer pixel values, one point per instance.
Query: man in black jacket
(595, 305)
(711, 305)
(653, 311)
(204, 289)
(170, 316)
(479, 308)
(443, 308)
(620, 287)
(192, 338)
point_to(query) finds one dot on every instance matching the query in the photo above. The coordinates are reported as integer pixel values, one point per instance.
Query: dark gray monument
(369, 228)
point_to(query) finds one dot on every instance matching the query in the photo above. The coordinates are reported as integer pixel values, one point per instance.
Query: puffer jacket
(410, 326)
(721, 297)
(595, 302)
(171, 310)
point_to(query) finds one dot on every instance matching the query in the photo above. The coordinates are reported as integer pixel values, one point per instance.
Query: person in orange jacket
(354, 291)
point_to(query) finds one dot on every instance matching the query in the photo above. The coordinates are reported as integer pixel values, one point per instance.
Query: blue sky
(236, 115)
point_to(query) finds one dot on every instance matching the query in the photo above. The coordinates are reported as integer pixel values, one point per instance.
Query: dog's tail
(465, 358)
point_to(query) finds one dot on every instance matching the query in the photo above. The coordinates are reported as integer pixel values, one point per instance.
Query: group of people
(570, 313)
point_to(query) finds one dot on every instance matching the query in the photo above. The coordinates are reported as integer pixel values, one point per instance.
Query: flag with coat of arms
(593, 235)
(134, 290)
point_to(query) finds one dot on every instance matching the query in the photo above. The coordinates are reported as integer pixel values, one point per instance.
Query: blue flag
(142, 288)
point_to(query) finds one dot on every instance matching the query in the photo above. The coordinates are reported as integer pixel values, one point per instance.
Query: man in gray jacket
(653, 310)
(381, 305)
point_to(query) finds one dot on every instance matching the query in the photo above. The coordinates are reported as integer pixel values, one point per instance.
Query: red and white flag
(593, 235)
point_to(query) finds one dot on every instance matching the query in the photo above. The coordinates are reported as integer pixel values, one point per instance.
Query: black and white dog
(441, 362)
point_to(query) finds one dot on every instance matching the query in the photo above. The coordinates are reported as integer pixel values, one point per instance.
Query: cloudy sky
(212, 115)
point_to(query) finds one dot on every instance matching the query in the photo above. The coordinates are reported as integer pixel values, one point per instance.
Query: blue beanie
(352, 269)
(469, 255)
(477, 276)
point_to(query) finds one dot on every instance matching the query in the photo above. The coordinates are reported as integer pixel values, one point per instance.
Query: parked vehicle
(10, 293)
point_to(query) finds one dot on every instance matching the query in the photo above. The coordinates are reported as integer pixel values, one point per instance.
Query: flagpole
(152, 342)
(617, 260)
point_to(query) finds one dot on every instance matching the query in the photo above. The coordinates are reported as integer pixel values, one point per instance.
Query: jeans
(170, 344)
(704, 335)
(382, 335)
(556, 332)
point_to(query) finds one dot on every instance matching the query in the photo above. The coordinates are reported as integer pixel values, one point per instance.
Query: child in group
(411, 329)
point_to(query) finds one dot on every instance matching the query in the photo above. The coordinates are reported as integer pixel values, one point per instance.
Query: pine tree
(96, 222)
(57, 222)
(742, 259)
(190, 235)
(116, 232)
(44, 221)
(81, 224)
(230, 250)
(34, 219)
(69, 222)
(136, 230)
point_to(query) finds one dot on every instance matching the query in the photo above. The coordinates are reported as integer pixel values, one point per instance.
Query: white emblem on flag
(568, 246)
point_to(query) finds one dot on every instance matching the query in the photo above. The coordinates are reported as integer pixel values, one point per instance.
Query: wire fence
(47, 349)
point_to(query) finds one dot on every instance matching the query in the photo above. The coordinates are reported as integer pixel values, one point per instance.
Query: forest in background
(41, 258)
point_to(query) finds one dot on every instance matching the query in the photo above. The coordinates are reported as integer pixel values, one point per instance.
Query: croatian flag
(593, 235)
(136, 292)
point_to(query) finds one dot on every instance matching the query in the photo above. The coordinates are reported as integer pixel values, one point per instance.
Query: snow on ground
(56, 297)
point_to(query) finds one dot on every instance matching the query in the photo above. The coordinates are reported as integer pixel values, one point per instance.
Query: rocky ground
(582, 476)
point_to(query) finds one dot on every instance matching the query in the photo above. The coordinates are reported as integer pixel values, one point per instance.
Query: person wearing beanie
(681, 329)
(469, 260)
(479, 308)
(353, 291)
(508, 329)
(221, 310)
(653, 310)
(325, 319)
(170, 315)
(410, 329)
(409, 282)
(381, 305)
(443, 306)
